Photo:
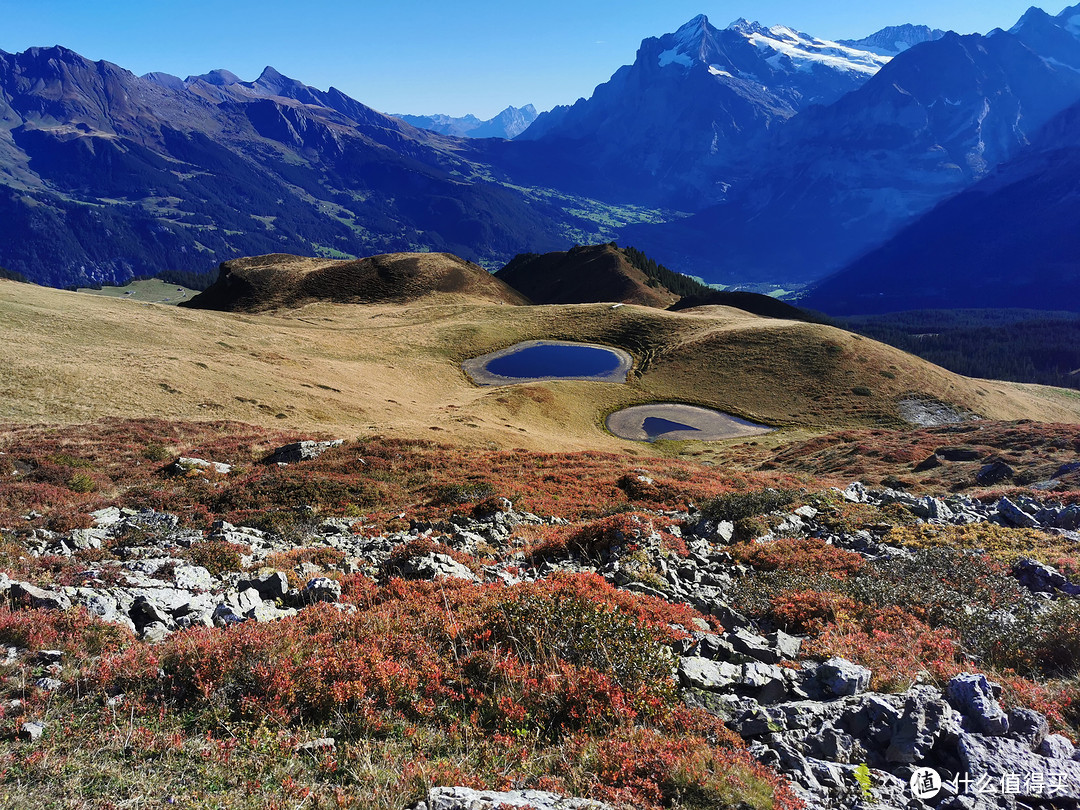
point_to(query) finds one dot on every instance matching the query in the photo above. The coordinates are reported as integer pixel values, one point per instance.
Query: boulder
(973, 696)
(925, 720)
(931, 462)
(32, 730)
(433, 566)
(839, 677)
(301, 451)
(155, 632)
(702, 673)
(48, 684)
(786, 645)
(764, 682)
(1066, 469)
(995, 472)
(750, 645)
(1015, 516)
(186, 464)
(145, 611)
(1040, 578)
(24, 594)
(1056, 746)
(271, 586)
(193, 578)
(1029, 726)
(1001, 757)
(321, 589)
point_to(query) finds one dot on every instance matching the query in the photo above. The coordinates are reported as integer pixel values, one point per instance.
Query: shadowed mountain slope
(1009, 241)
(835, 181)
(105, 175)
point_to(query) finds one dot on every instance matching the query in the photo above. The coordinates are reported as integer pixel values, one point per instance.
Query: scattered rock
(432, 566)
(702, 673)
(973, 696)
(995, 472)
(840, 677)
(462, 798)
(271, 586)
(48, 684)
(1038, 577)
(1015, 516)
(1029, 726)
(186, 464)
(301, 451)
(321, 589)
(32, 730)
(321, 745)
(25, 595)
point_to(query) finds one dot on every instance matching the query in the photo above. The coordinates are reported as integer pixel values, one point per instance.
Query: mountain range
(838, 180)
(508, 124)
(105, 175)
(743, 154)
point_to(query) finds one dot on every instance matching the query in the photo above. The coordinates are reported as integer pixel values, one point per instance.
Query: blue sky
(450, 56)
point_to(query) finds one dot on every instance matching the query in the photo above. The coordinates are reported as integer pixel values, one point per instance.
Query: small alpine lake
(535, 360)
(670, 420)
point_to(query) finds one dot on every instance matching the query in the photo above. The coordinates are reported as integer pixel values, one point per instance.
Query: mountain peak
(218, 78)
(691, 36)
(895, 39)
(270, 74)
(746, 28)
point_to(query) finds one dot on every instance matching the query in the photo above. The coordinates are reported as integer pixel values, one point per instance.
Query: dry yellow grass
(395, 369)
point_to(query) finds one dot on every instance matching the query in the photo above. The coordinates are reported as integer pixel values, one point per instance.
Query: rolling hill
(260, 283)
(585, 274)
(394, 368)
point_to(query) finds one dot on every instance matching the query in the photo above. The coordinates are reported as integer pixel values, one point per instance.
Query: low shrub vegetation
(563, 684)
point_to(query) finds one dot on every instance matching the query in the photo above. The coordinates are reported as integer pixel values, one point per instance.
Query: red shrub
(799, 554)
(810, 612)
(73, 631)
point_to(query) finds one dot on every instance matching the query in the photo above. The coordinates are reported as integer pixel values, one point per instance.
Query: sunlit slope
(395, 369)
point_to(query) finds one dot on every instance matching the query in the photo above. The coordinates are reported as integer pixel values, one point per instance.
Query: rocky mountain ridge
(508, 124)
(107, 175)
(726, 88)
(837, 180)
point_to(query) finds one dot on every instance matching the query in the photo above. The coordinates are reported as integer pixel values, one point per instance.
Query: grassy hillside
(395, 369)
(260, 283)
(588, 274)
(146, 291)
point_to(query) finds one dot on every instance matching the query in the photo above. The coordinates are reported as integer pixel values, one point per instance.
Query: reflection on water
(655, 426)
(554, 360)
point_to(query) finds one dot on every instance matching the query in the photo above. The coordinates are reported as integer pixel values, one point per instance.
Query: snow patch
(1058, 63)
(716, 70)
(673, 56)
(803, 52)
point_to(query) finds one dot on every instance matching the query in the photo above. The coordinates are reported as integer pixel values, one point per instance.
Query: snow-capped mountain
(895, 39)
(674, 125)
(508, 124)
(787, 50)
(1053, 38)
(837, 181)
